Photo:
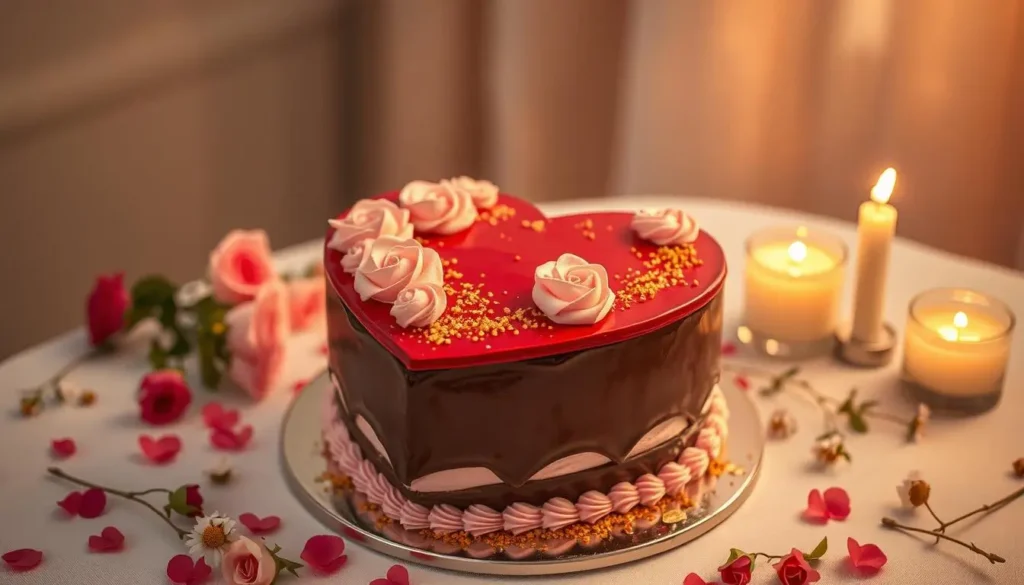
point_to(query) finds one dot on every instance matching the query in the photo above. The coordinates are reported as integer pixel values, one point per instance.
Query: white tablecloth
(967, 461)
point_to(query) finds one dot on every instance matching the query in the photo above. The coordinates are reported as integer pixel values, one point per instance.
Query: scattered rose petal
(324, 553)
(161, 450)
(742, 382)
(258, 525)
(728, 348)
(816, 510)
(181, 571)
(867, 558)
(109, 540)
(63, 448)
(72, 503)
(421, 556)
(324, 350)
(397, 575)
(94, 501)
(837, 501)
(694, 579)
(298, 386)
(215, 416)
(23, 559)
(229, 440)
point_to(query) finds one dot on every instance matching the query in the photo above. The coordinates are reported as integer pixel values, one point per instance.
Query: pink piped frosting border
(478, 520)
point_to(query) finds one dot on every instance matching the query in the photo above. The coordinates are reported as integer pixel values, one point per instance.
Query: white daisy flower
(210, 537)
(222, 472)
(914, 490)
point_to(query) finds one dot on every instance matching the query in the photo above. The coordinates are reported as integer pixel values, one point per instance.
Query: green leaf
(857, 422)
(211, 341)
(867, 405)
(734, 553)
(819, 551)
(793, 371)
(157, 355)
(282, 564)
(825, 435)
(178, 502)
(847, 405)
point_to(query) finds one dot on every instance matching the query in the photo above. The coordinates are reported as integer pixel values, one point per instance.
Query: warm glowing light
(801, 232)
(949, 333)
(882, 190)
(960, 320)
(798, 251)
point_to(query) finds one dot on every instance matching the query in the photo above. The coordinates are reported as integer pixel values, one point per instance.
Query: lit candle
(793, 281)
(956, 348)
(876, 225)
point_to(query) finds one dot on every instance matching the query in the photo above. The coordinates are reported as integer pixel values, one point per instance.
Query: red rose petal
(258, 525)
(868, 558)
(324, 350)
(72, 503)
(23, 559)
(398, 575)
(63, 448)
(728, 348)
(179, 569)
(229, 440)
(298, 386)
(216, 416)
(742, 382)
(201, 571)
(94, 501)
(694, 579)
(837, 501)
(324, 553)
(109, 540)
(816, 510)
(161, 450)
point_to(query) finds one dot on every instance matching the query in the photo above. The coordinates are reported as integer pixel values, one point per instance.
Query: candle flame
(960, 320)
(882, 190)
(798, 251)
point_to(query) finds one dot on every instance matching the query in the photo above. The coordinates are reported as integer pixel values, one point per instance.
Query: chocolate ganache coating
(515, 418)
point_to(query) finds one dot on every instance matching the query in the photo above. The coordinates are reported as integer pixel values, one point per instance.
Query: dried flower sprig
(915, 493)
(34, 399)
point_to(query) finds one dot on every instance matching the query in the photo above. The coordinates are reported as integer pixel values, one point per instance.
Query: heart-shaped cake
(506, 361)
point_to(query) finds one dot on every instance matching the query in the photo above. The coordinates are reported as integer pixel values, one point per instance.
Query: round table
(967, 460)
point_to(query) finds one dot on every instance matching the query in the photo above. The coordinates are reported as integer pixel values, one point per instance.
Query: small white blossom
(914, 490)
(210, 537)
(222, 472)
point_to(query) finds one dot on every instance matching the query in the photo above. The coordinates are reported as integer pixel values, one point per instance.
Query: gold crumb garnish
(87, 398)
(673, 516)
(500, 212)
(716, 468)
(664, 268)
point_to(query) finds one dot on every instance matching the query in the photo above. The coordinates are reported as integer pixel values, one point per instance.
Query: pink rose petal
(867, 558)
(298, 386)
(63, 448)
(109, 540)
(728, 348)
(94, 501)
(258, 525)
(216, 416)
(161, 450)
(324, 350)
(72, 503)
(694, 579)
(230, 440)
(816, 510)
(837, 501)
(324, 553)
(23, 559)
(742, 382)
(398, 575)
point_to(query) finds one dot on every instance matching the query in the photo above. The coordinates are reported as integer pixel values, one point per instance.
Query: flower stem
(992, 557)
(64, 371)
(766, 556)
(133, 496)
(985, 508)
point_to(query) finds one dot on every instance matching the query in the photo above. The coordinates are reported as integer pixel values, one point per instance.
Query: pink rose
(665, 227)
(307, 302)
(163, 397)
(257, 332)
(239, 266)
(354, 256)
(248, 563)
(105, 308)
(483, 193)
(419, 304)
(572, 291)
(737, 572)
(369, 219)
(392, 264)
(438, 208)
(793, 569)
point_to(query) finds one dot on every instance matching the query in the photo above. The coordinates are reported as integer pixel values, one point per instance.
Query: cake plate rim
(301, 447)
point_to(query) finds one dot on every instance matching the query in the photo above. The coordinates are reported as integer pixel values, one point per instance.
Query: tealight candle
(956, 348)
(794, 277)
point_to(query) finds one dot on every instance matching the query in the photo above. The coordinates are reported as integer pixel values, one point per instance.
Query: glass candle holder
(794, 280)
(956, 349)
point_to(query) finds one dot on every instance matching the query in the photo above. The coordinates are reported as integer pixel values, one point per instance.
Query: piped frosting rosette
(438, 208)
(572, 291)
(367, 220)
(675, 478)
(665, 227)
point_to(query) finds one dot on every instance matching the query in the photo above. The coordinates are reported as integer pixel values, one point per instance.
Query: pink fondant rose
(105, 308)
(438, 208)
(665, 227)
(419, 304)
(256, 337)
(247, 562)
(391, 264)
(354, 256)
(369, 219)
(307, 302)
(572, 291)
(483, 193)
(239, 266)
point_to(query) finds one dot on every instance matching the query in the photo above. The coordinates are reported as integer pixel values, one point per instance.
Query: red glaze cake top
(489, 276)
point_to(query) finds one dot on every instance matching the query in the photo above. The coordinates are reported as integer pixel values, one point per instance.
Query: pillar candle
(876, 226)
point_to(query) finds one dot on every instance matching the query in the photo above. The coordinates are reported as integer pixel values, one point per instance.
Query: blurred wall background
(134, 134)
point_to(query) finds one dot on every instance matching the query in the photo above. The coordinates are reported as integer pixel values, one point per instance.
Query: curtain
(793, 103)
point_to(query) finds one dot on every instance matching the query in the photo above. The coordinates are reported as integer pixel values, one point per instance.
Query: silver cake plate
(304, 464)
